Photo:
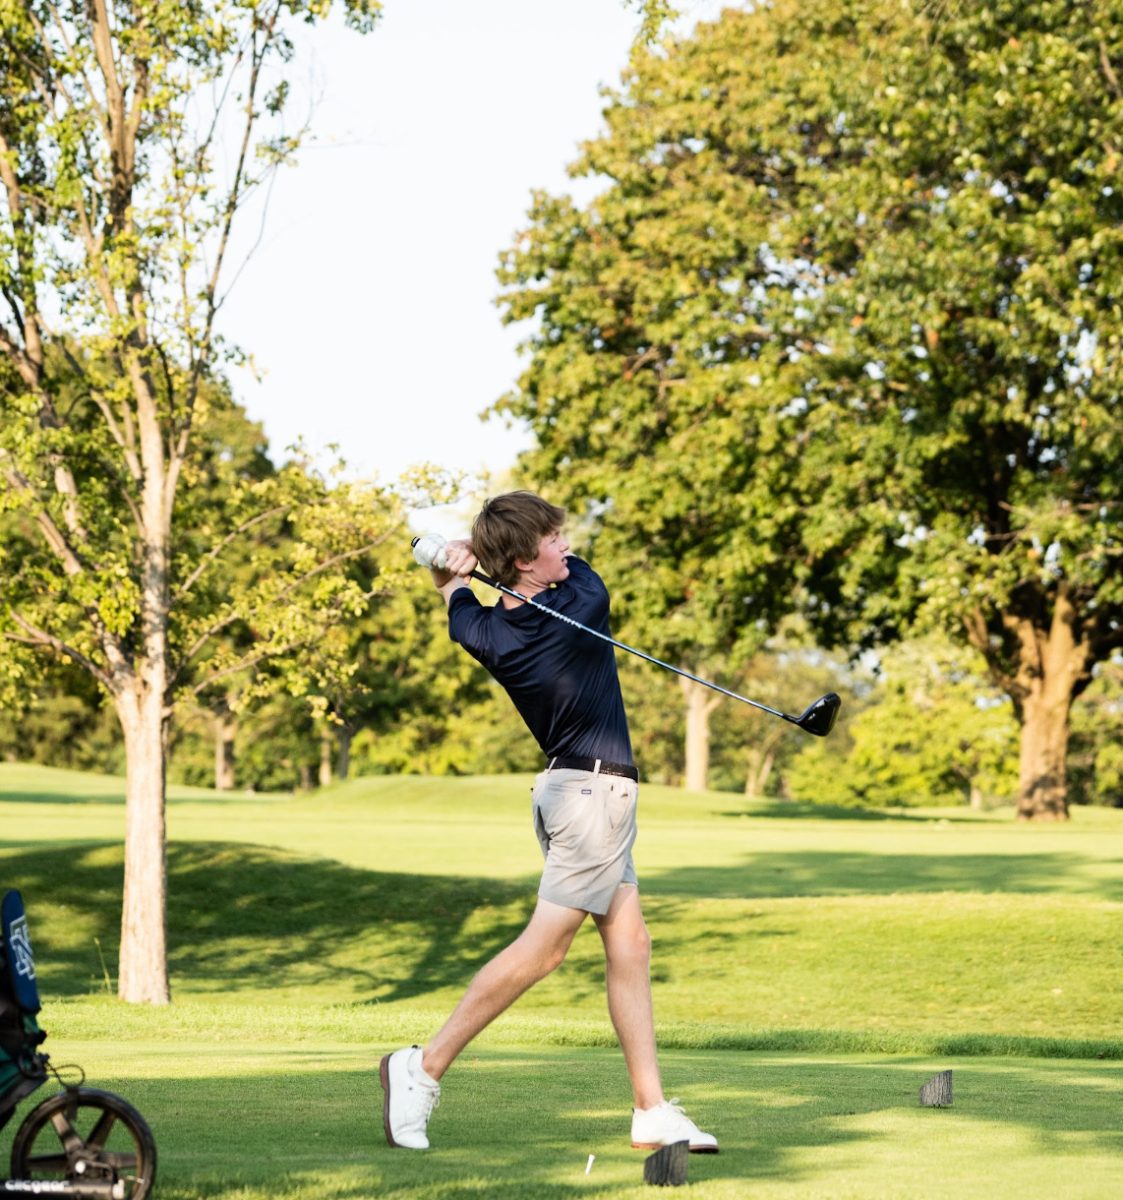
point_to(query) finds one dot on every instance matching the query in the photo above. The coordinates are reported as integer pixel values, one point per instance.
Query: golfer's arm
(446, 584)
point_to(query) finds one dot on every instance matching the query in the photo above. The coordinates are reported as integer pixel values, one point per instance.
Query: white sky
(369, 304)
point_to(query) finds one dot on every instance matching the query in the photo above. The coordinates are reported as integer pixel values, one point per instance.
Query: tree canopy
(841, 334)
(132, 133)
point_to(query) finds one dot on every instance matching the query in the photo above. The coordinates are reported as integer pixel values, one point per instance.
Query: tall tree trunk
(1053, 660)
(143, 962)
(326, 748)
(762, 758)
(143, 972)
(1042, 790)
(760, 767)
(225, 727)
(343, 763)
(700, 702)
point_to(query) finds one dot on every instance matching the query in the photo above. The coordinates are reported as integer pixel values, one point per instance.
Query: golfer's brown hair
(511, 527)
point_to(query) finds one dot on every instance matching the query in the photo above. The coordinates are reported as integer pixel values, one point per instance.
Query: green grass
(812, 970)
(238, 1123)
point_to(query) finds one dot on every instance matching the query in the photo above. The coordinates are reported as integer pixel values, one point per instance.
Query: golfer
(565, 687)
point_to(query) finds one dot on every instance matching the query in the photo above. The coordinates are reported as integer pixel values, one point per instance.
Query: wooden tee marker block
(936, 1093)
(667, 1166)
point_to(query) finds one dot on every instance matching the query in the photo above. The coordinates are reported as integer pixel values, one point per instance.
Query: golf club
(817, 718)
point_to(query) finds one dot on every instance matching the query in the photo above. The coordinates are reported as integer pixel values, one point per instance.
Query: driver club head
(819, 718)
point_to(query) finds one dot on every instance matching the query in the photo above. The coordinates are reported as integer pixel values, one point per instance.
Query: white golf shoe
(666, 1124)
(410, 1098)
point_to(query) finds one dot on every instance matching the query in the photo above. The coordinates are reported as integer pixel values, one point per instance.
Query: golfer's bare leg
(627, 953)
(530, 957)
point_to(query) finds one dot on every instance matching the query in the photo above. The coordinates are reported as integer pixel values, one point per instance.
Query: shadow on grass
(318, 1135)
(111, 792)
(845, 873)
(251, 914)
(800, 810)
(49, 796)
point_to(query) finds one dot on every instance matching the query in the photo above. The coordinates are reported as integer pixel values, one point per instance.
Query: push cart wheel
(84, 1134)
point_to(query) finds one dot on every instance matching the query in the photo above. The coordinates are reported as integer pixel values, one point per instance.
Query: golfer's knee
(540, 958)
(630, 949)
(535, 965)
(553, 958)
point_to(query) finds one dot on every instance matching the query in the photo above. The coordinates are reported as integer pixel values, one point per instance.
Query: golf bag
(82, 1142)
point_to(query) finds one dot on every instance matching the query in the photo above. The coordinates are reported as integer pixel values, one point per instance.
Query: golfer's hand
(460, 562)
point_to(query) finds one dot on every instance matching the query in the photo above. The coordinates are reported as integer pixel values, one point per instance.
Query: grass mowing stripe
(78, 1024)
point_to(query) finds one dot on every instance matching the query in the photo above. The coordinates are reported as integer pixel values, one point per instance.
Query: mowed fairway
(812, 971)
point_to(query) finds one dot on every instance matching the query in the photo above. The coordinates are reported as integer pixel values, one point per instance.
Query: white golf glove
(429, 551)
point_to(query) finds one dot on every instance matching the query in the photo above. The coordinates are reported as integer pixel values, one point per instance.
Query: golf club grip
(475, 574)
(478, 575)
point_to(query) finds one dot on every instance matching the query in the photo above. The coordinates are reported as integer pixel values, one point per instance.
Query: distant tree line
(926, 728)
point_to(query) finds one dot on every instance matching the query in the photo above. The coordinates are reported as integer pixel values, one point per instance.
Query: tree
(1097, 726)
(752, 752)
(748, 752)
(841, 334)
(61, 720)
(650, 343)
(934, 732)
(975, 335)
(231, 453)
(115, 226)
(622, 439)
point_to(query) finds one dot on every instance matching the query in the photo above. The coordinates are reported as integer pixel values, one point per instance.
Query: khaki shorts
(586, 826)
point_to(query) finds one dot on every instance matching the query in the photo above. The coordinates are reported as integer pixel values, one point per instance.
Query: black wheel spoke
(99, 1135)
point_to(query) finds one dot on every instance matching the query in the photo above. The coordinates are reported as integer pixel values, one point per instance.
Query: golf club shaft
(502, 587)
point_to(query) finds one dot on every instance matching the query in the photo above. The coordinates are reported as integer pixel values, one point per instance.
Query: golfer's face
(550, 566)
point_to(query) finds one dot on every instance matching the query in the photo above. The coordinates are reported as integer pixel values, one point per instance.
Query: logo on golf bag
(20, 940)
